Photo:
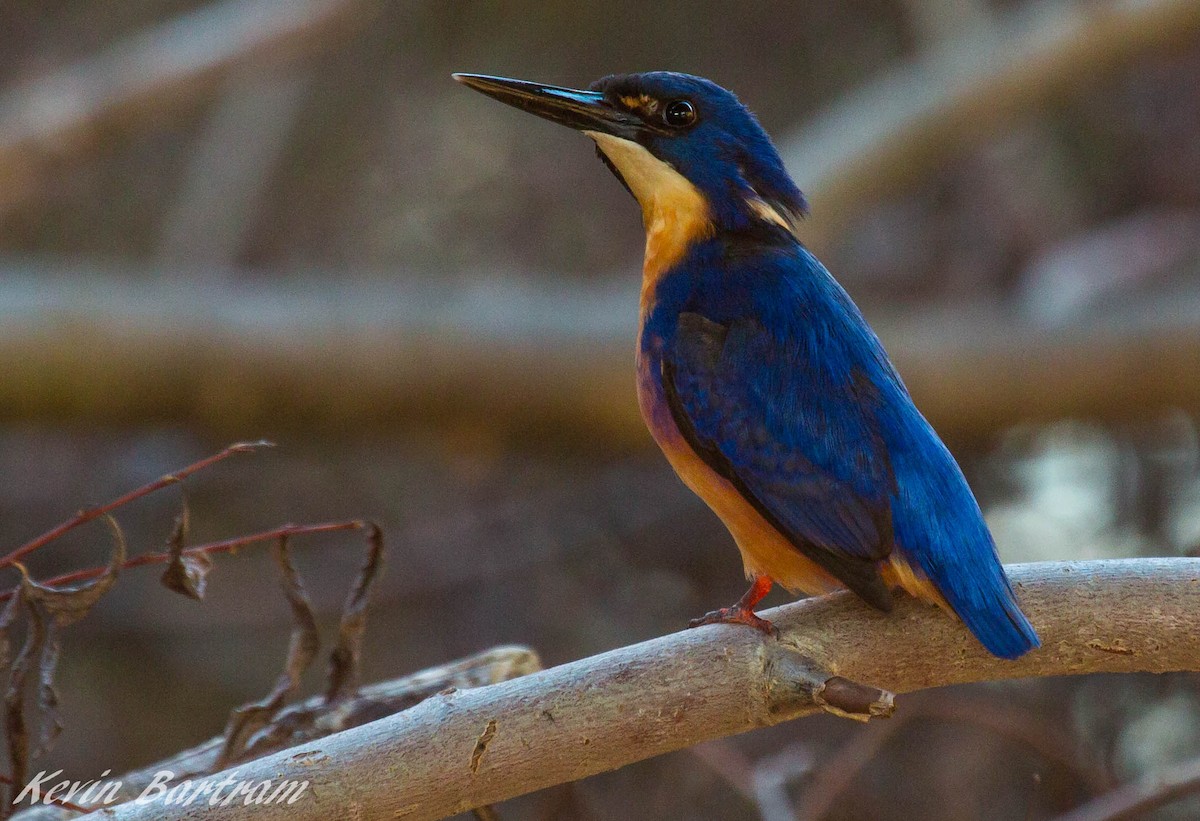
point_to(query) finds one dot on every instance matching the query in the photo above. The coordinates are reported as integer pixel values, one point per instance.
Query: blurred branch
(316, 718)
(464, 749)
(177, 60)
(889, 133)
(211, 549)
(514, 355)
(230, 165)
(938, 22)
(839, 771)
(1133, 801)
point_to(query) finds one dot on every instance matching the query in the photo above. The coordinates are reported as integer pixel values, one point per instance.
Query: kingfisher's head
(676, 141)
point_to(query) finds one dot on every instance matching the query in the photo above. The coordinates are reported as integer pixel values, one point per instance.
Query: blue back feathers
(783, 383)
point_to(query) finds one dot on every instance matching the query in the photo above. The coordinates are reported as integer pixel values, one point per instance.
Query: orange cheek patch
(642, 103)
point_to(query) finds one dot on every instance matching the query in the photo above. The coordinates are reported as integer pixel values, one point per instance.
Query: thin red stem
(85, 516)
(226, 546)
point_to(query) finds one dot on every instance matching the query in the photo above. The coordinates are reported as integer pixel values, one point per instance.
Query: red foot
(737, 615)
(743, 611)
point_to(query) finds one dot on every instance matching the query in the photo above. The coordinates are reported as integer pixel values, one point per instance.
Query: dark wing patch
(792, 437)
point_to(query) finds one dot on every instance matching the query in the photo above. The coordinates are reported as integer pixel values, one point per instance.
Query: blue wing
(786, 417)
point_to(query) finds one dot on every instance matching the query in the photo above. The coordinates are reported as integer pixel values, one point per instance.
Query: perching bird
(758, 377)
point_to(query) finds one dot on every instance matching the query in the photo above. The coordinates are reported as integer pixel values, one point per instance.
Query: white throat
(674, 211)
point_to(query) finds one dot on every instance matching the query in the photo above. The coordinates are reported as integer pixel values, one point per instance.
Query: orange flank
(899, 573)
(765, 551)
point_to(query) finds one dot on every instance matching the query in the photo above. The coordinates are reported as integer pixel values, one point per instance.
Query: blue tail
(983, 598)
(940, 529)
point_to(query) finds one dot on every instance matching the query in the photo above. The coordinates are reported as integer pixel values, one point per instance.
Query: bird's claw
(737, 615)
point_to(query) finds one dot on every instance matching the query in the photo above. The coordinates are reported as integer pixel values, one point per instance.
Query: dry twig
(90, 514)
(48, 607)
(211, 549)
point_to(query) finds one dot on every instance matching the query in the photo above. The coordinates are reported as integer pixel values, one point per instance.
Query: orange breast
(765, 552)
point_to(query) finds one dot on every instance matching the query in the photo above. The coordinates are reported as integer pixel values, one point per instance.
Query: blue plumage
(759, 378)
(810, 416)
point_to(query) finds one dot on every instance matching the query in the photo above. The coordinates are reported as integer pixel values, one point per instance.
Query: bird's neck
(673, 226)
(676, 215)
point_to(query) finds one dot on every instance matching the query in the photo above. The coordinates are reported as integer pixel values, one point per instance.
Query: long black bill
(582, 110)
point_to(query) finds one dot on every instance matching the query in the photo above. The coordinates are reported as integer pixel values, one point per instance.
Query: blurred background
(245, 219)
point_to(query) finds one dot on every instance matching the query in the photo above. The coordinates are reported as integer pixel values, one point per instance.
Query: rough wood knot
(310, 757)
(481, 745)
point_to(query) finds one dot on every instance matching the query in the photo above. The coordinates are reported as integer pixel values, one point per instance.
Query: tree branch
(317, 717)
(464, 749)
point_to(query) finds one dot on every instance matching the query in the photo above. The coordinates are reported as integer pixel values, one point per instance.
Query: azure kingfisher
(758, 377)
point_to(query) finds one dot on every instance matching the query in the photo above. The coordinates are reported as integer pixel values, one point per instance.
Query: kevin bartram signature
(230, 789)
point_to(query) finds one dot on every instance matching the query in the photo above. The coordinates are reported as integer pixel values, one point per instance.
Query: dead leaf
(48, 715)
(11, 610)
(345, 658)
(248, 719)
(15, 725)
(67, 605)
(185, 573)
(47, 610)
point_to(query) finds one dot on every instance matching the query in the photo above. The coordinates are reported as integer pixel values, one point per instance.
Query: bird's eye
(679, 114)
